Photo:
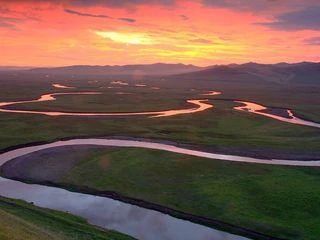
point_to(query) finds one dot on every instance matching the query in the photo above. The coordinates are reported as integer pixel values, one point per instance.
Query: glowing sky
(203, 32)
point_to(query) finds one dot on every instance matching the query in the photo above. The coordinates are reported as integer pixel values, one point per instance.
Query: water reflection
(119, 83)
(56, 85)
(201, 106)
(257, 109)
(211, 93)
(123, 93)
(111, 214)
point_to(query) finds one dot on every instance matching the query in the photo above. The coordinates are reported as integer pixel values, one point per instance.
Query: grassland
(301, 98)
(220, 128)
(130, 99)
(276, 200)
(282, 201)
(23, 221)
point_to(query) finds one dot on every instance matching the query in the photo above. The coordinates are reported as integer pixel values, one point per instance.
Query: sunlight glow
(138, 32)
(127, 38)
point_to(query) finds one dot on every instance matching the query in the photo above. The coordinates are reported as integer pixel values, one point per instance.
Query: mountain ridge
(131, 69)
(306, 72)
(278, 73)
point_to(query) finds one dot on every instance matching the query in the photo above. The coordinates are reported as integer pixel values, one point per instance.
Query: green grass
(23, 221)
(110, 101)
(276, 200)
(218, 127)
(283, 201)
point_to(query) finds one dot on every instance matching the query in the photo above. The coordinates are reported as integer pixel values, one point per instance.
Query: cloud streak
(248, 5)
(312, 41)
(255, 6)
(200, 40)
(304, 19)
(130, 20)
(120, 4)
(9, 22)
(83, 14)
(100, 3)
(184, 17)
(86, 14)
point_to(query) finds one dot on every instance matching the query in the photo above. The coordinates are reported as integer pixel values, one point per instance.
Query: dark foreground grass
(275, 200)
(23, 221)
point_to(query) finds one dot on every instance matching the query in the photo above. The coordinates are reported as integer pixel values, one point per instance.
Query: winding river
(154, 145)
(257, 109)
(200, 106)
(57, 85)
(211, 93)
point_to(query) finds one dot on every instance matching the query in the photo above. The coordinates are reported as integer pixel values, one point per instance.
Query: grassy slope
(277, 200)
(23, 221)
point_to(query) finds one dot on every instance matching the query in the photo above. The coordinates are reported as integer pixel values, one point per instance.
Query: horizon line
(186, 64)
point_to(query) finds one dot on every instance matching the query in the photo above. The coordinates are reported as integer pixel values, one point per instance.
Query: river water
(135, 221)
(200, 105)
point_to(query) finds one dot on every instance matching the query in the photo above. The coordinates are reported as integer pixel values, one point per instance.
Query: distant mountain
(13, 68)
(141, 69)
(304, 72)
(279, 73)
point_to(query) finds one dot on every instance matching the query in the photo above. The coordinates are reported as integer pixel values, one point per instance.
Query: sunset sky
(96, 32)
